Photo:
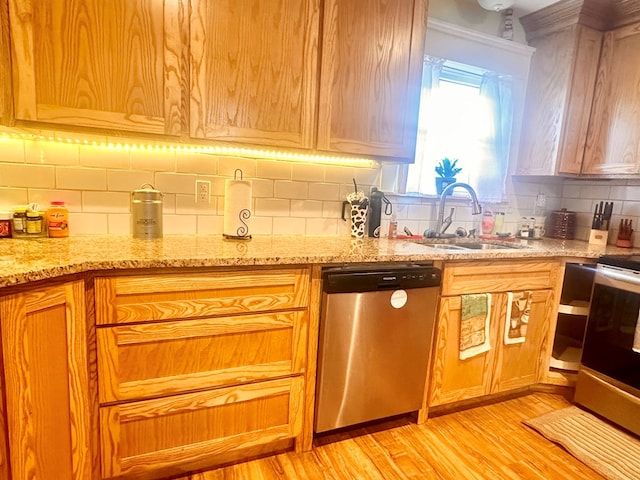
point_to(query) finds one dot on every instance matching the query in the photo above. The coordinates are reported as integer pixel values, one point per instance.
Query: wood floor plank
(482, 443)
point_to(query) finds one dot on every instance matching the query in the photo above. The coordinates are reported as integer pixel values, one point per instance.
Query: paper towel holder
(244, 214)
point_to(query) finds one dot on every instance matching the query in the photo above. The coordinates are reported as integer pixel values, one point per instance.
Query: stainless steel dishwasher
(376, 330)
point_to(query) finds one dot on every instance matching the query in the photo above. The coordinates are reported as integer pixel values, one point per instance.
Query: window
(465, 114)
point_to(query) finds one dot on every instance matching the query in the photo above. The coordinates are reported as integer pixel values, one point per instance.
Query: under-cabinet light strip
(203, 149)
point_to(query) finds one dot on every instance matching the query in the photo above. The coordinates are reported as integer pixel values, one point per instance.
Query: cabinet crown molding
(602, 15)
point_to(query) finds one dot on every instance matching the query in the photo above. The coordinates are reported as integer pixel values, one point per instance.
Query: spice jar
(19, 220)
(35, 224)
(58, 219)
(5, 224)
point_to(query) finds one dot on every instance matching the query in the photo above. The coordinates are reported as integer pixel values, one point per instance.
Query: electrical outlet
(203, 191)
(540, 200)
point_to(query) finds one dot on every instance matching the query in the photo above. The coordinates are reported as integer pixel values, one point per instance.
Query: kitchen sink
(442, 246)
(489, 246)
(469, 245)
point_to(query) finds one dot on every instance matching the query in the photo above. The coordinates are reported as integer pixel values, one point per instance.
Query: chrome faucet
(476, 208)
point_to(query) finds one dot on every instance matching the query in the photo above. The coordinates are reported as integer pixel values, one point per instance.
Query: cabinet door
(6, 102)
(613, 141)
(115, 65)
(454, 379)
(253, 71)
(197, 430)
(559, 96)
(523, 364)
(46, 374)
(372, 56)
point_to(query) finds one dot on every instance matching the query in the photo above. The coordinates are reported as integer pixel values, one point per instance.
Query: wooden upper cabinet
(613, 145)
(6, 102)
(371, 70)
(558, 104)
(254, 71)
(112, 65)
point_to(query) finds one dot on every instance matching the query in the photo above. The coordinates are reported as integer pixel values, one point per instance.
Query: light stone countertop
(27, 260)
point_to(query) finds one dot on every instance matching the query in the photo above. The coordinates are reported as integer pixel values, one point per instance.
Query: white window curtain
(490, 181)
(422, 167)
(483, 150)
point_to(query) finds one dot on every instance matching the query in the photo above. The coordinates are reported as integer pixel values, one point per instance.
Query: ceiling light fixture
(496, 5)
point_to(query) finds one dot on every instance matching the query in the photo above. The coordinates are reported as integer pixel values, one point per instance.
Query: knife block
(598, 237)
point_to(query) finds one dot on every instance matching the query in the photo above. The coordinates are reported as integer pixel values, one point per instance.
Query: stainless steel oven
(609, 376)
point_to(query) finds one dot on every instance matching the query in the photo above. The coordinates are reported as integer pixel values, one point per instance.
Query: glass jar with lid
(19, 220)
(5, 224)
(35, 225)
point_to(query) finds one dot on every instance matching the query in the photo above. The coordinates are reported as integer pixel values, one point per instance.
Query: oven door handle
(616, 278)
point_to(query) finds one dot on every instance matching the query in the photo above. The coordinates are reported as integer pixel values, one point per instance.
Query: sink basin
(489, 246)
(442, 246)
(468, 245)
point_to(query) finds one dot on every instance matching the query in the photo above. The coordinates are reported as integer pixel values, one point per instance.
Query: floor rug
(608, 450)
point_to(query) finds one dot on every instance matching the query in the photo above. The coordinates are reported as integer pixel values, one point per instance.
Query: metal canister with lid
(146, 212)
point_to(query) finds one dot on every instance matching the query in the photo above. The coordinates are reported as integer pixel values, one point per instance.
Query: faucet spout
(476, 208)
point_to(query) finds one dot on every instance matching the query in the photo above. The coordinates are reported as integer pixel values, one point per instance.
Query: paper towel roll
(237, 208)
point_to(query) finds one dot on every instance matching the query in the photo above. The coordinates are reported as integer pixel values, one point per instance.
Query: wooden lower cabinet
(44, 355)
(505, 366)
(200, 369)
(165, 434)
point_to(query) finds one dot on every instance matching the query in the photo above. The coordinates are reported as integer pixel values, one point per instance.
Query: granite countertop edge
(24, 261)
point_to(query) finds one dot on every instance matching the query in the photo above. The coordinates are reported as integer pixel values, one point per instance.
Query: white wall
(468, 14)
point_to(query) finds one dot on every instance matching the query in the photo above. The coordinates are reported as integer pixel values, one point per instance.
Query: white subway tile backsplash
(106, 202)
(33, 176)
(331, 209)
(210, 225)
(88, 223)
(274, 170)
(49, 153)
(71, 198)
(308, 173)
(272, 207)
(12, 150)
(92, 156)
(127, 180)
(96, 182)
(10, 197)
(153, 160)
(418, 212)
(227, 167)
(321, 226)
(74, 178)
(338, 174)
(261, 188)
(198, 163)
(261, 225)
(288, 226)
(186, 204)
(179, 224)
(289, 189)
(119, 223)
(324, 191)
(176, 183)
(306, 208)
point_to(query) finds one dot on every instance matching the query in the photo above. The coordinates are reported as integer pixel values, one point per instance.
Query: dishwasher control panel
(386, 277)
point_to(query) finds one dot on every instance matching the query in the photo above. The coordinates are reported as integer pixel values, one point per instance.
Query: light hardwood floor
(486, 442)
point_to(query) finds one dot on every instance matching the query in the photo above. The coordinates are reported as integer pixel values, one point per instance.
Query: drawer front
(198, 428)
(128, 299)
(153, 359)
(499, 276)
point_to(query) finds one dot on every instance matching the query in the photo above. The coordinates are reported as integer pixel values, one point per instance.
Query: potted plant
(447, 172)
